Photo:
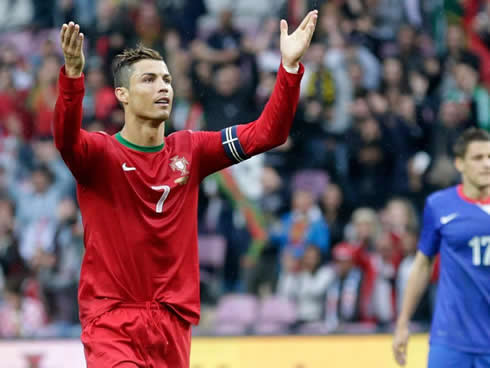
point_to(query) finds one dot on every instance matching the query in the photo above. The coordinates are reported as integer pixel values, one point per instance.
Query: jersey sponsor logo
(125, 167)
(447, 219)
(179, 164)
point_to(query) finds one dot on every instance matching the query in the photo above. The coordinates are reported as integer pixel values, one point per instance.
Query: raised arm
(272, 128)
(70, 139)
(68, 110)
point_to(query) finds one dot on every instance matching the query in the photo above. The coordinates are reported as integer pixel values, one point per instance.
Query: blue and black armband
(231, 144)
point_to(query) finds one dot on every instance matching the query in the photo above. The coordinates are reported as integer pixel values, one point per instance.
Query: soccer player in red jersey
(137, 190)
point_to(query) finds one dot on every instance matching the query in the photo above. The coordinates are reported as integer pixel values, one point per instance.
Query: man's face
(40, 181)
(392, 70)
(455, 38)
(150, 93)
(227, 80)
(311, 258)
(475, 165)
(343, 266)
(466, 77)
(302, 201)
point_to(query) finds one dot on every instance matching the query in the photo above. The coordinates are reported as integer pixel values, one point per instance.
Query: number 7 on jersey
(161, 201)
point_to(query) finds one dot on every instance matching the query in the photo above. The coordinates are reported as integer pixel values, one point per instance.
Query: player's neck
(144, 133)
(474, 192)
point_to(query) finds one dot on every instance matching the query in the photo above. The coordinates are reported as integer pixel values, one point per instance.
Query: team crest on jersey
(179, 164)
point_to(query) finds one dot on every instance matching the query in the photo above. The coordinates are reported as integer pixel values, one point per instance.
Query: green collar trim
(135, 147)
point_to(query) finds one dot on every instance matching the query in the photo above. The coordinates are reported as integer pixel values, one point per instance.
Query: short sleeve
(430, 238)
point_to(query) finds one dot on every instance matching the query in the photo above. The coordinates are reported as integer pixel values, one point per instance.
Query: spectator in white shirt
(309, 288)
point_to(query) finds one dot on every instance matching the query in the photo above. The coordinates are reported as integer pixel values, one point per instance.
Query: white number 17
(161, 201)
(477, 243)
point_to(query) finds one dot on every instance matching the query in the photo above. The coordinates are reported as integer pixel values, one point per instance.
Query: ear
(459, 164)
(122, 94)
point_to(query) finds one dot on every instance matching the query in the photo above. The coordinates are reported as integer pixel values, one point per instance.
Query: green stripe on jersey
(135, 147)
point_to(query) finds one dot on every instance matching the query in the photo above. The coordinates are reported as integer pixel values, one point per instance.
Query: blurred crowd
(328, 222)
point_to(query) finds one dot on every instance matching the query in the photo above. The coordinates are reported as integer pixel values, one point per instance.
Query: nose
(162, 85)
(486, 163)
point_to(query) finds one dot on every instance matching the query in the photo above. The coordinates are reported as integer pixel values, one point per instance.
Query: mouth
(164, 101)
(485, 176)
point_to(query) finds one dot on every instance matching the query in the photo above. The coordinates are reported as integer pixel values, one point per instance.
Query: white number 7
(161, 201)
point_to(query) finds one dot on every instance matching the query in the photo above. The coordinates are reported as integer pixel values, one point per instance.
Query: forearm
(416, 285)
(272, 128)
(68, 111)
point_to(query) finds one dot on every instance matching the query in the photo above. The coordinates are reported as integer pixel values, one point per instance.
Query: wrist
(71, 73)
(291, 67)
(402, 323)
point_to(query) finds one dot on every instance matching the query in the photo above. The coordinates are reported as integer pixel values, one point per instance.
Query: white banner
(42, 354)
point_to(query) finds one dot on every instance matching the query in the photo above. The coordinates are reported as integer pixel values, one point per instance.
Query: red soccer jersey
(139, 204)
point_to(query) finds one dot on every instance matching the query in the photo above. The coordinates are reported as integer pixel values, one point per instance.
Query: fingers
(64, 28)
(306, 20)
(400, 352)
(79, 41)
(311, 26)
(71, 38)
(284, 27)
(400, 358)
(74, 36)
(67, 31)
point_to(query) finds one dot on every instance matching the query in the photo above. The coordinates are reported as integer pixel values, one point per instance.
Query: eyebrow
(155, 75)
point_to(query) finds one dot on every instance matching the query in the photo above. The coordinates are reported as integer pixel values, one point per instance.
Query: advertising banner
(346, 351)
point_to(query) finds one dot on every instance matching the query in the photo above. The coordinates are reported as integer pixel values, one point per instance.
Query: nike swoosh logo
(448, 218)
(128, 168)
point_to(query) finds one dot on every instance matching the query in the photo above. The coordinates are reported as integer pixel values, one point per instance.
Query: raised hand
(293, 46)
(72, 46)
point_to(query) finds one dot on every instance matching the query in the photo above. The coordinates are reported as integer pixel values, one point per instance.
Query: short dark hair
(469, 135)
(121, 67)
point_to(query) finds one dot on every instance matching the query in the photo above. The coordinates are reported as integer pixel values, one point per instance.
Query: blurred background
(313, 238)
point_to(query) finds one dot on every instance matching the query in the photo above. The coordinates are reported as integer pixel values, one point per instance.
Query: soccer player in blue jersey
(456, 225)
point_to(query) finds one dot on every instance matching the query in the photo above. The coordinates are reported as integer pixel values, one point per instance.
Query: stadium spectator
(370, 163)
(59, 275)
(362, 235)
(409, 246)
(302, 227)
(386, 260)
(226, 93)
(308, 288)
(20, 316)
(335, 211)
(11, 263)
(469, 94)
(261, 270)
(343, 295)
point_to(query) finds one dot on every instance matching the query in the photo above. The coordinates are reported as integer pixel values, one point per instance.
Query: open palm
(72, 46)
(293, 46)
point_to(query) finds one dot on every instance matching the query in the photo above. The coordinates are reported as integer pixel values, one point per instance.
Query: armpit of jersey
(231, 144)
